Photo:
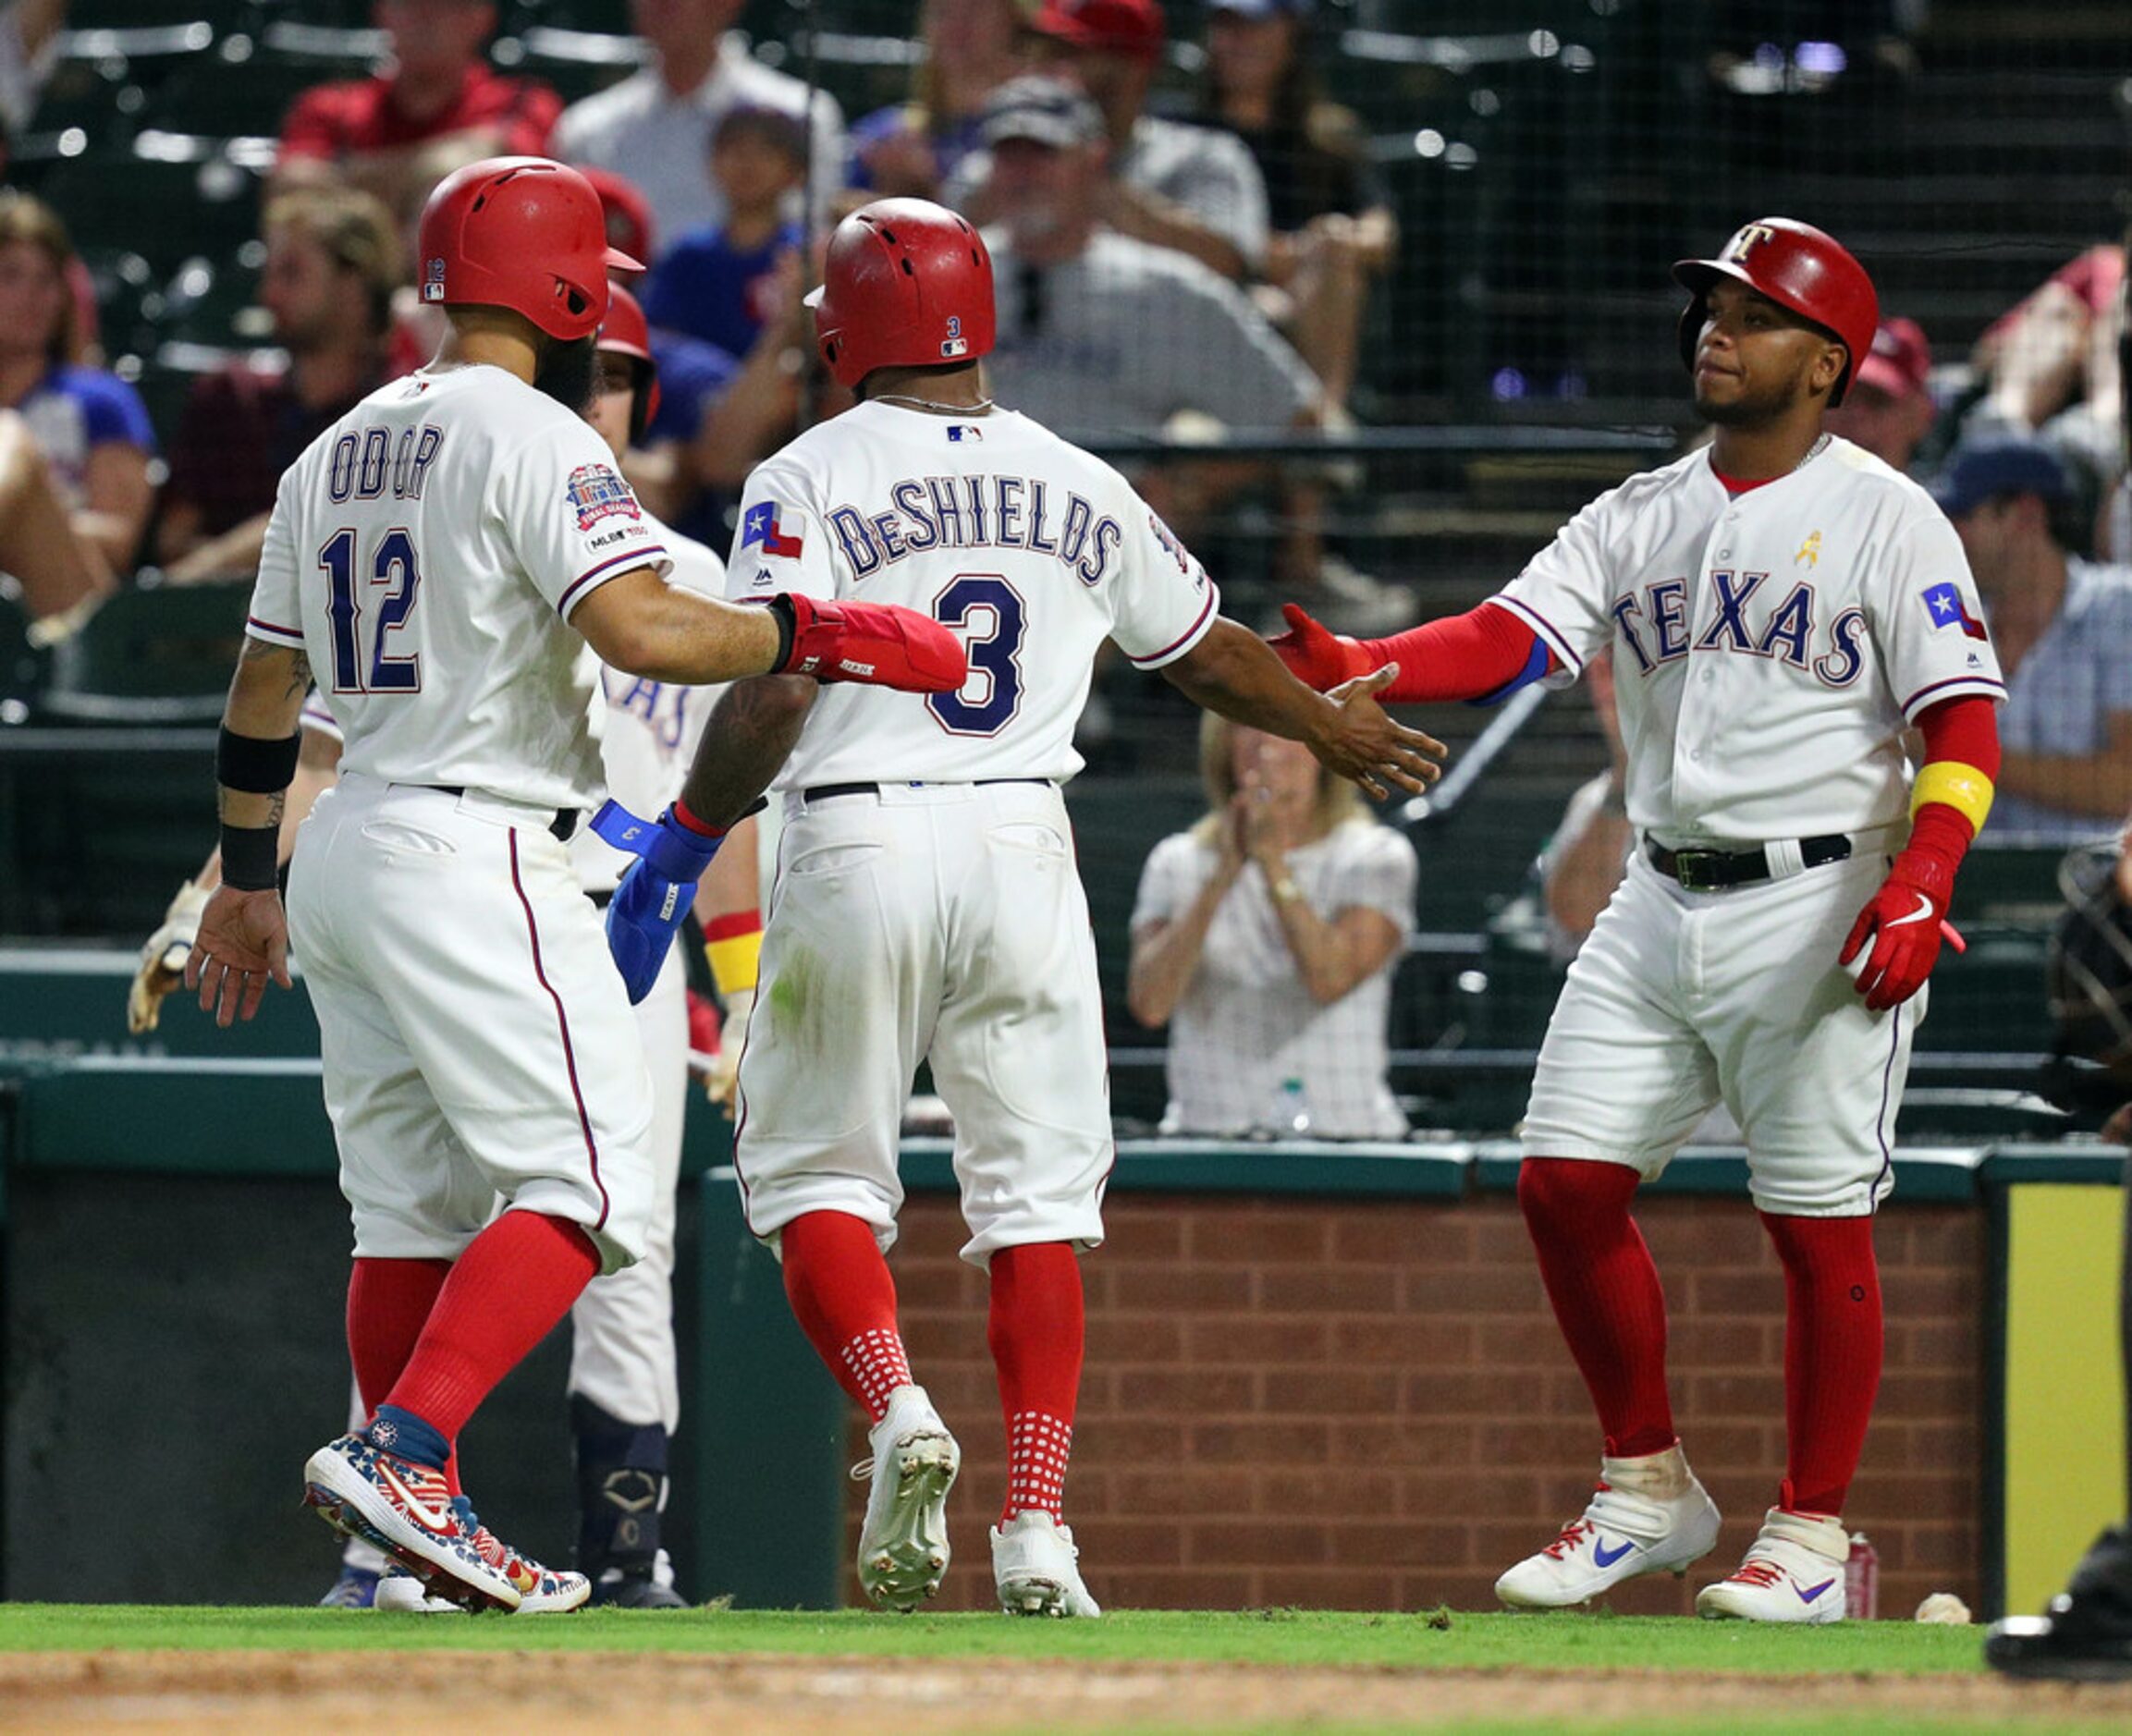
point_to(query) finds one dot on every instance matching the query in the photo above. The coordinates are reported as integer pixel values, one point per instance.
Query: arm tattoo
(746, 742)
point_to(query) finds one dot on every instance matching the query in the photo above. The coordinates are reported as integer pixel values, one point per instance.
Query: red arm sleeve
(1965, 730)
(1474, 655)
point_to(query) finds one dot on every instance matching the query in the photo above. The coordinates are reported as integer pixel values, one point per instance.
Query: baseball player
(927, 904)
(441, 556)
(1782, 606)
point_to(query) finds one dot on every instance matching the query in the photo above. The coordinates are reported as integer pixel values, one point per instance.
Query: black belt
(1717, 870)
(563, 827)
(825, 792)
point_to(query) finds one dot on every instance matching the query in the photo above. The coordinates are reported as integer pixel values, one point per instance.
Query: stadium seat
(168, 199)
(148, 656)
(246, 87)
(212, 301)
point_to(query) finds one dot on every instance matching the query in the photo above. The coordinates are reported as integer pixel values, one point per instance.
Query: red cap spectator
(630, 225)
(1119, 27)
(1900, 363)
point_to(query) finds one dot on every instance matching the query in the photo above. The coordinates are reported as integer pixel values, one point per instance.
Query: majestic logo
(1809, 551)
(433, 281)
(1603, 1557)
(1750, 237)
(1944, 604)
(954, 344)
(761, 527)
(594, 492)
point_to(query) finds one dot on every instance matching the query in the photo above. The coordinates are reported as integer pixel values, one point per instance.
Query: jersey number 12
(394, 572)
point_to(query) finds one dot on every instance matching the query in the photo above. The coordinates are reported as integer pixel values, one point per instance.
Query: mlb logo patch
(761, 527)
(960, 433)
(952, 347)
(1943, 603)
(433, 281)
(594, 492)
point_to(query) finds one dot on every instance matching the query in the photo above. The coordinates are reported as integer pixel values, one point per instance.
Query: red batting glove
(879, 645)
(1315, 656)
(1903, 920)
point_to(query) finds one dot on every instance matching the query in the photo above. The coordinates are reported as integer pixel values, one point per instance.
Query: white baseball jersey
(650, 729)
(1032, 551)
(1769, 647)
(426, 553)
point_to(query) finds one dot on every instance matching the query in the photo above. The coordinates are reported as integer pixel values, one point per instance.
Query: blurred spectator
(439, 104)
(1266, 937)
(655, 125)
(972, 48)
(2063, 630)
(1332, 228)
(692, 375)
(29, 50)
(2050, 366)
(1585, 859)
(713, 281)
(1173, 185)
(90, 426)
(1101, 334)
(333, 260)
(1888, 407)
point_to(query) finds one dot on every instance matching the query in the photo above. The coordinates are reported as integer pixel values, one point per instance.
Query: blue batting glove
(656, 893)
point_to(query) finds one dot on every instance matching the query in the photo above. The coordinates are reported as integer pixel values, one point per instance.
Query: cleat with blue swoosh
(1793, 1571)
(1649, 1515)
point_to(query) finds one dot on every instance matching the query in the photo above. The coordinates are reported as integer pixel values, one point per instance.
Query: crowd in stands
(1186, 244)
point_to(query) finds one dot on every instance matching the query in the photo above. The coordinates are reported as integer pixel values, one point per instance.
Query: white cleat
(399, 1591)
(1035, 1565)
(903, 1545)
(1650, 1515)
(1793, 1571)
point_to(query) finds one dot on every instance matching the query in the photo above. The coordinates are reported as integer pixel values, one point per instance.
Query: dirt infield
(644, 1695)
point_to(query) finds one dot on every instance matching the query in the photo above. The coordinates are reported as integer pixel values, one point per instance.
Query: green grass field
(1266, 1673)
(1315, 1639)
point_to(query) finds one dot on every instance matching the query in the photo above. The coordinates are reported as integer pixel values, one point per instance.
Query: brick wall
(1367, 1405)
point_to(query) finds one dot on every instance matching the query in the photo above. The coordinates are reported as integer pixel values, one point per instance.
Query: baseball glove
(162, 958)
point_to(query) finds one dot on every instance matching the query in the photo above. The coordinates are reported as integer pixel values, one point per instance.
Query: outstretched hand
(1314, 655)
(1365, 746)
(243, 940)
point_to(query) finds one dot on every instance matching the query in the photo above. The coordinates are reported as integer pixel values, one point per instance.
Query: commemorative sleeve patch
(594, 492)
(761, 528)
(1943, 603)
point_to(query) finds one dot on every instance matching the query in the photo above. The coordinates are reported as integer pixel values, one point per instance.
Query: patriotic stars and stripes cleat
(399, 1593)
(543, 1591)
(1036, 1568)
(1621, 1535)
(903, 1543)
(1793, 1571)
(407, 1511)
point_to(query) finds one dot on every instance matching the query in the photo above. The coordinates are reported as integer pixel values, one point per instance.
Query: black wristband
(248, 854)
(786, 614)
(257, 766)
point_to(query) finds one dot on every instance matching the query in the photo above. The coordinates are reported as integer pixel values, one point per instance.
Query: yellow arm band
(1962, 787)
(735, 960)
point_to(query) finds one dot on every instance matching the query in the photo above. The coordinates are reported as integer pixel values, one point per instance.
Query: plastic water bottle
(1292, 1110)
(1862, 1579)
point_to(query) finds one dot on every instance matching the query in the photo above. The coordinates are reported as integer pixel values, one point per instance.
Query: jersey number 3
(394, 572)
(990, 611)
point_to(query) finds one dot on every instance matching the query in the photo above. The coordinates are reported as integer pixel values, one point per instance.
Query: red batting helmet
(908, 285)
(520, 233)
(626, 332)
(1799, 267)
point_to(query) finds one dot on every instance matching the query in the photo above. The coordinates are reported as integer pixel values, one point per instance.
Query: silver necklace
(978, 409)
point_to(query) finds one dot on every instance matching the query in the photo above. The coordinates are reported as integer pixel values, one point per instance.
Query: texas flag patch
(1947, 610)
(761, 526)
